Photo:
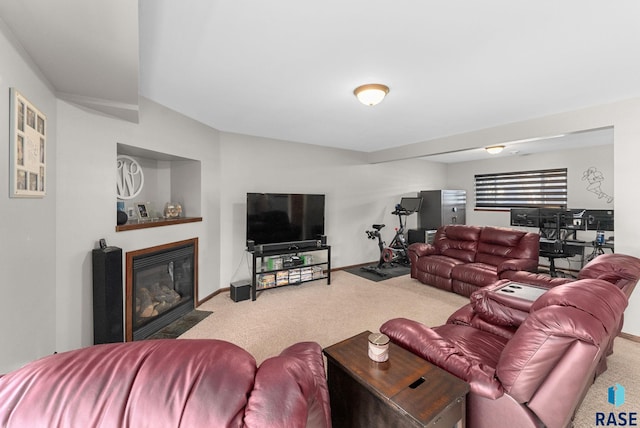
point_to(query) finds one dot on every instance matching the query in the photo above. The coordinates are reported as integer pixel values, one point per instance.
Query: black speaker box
(240, 290)
(108, 325)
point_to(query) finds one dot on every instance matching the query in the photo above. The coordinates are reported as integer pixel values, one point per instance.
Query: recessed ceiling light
(494, 150)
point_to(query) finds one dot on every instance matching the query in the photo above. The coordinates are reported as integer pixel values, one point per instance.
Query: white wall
(358, 194)
(87, 200)
(27, 226)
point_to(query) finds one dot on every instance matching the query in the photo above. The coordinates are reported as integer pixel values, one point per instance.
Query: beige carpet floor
(329, 313)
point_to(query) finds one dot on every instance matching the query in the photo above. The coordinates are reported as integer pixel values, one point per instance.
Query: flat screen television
(284, 217)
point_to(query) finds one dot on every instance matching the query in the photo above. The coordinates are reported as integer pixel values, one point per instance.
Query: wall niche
(167, 179)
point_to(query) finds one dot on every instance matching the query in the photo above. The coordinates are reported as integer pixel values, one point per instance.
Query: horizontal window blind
(522, 189)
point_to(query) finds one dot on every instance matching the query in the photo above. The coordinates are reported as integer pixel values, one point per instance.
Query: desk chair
(553, 245)
(552, 262)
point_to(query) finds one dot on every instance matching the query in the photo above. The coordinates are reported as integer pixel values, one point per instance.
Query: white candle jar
(378, 347)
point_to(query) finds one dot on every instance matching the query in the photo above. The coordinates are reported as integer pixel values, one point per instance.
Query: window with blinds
(522, 189)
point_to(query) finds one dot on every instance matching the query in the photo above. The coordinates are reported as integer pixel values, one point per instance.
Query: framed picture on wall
(28, 144)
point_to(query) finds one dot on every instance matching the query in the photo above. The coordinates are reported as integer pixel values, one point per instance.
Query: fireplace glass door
(162, 289)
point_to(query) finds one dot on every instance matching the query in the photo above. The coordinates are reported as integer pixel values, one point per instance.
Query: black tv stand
(297, 265)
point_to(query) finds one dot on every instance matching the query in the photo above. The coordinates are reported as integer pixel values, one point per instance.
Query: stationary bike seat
(378, 226)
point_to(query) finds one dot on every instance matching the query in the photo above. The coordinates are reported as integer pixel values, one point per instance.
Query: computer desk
(570, 248)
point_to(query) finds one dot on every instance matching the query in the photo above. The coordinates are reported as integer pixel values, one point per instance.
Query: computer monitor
(525, 217)
(411, 204)
(599, 220)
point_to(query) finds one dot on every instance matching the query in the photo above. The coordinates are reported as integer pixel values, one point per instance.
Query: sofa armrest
(426, 343)
(462, 316)
(466, 315)
(517, 265)
(530, 278)
(421, 249)
(290, 390)
(500, 309)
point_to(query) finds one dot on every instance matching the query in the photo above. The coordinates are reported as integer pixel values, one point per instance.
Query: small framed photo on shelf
(27, 136)
(143, 211)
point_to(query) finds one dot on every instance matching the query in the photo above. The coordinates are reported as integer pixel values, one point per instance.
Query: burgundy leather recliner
(621, 270)
(539, 375)
(168, 383)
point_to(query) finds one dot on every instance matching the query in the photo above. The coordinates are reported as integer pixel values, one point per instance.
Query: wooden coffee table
(405, 391)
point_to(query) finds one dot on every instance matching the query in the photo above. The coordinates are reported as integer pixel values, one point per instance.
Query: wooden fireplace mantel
(156, 223)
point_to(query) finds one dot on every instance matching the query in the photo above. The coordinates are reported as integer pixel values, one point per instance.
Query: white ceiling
(287, 69)
(87, 50)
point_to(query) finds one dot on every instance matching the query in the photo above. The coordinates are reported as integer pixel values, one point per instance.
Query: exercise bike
(396, 253)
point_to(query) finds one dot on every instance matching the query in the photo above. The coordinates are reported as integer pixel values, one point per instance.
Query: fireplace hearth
(161, 285)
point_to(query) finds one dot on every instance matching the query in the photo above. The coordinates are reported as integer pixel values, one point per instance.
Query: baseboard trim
(630, 337)
(212, 295)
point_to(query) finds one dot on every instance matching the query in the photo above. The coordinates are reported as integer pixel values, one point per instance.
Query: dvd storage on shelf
(293, 266)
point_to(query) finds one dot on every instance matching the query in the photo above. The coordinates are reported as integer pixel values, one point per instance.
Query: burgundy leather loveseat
(465, 258)
(168, 383)
(539, 375)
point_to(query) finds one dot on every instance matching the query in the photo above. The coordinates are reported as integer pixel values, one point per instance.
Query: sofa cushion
(481, 347)
(480, 274)
(146, 383)
(497, 244)
(458, 241)
(438, 265)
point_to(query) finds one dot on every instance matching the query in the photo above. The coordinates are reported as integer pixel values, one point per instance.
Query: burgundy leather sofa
(168, 383)
(466, 258)
(538, 376)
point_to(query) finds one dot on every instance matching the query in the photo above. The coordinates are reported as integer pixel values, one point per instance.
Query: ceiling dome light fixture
(494, 150)
(371, 94)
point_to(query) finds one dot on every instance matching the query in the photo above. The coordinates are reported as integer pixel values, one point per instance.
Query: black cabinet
(442, 207)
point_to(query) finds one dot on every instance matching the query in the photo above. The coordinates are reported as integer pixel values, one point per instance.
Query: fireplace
(161, 286)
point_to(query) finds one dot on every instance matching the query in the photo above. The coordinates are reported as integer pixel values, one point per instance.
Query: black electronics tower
(108, 325)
